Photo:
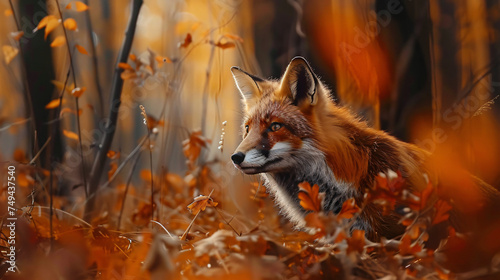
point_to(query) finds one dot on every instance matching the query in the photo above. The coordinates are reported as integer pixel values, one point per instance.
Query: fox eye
(275, 126)
(247, 128)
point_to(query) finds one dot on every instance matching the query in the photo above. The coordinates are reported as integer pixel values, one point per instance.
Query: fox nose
(238, 157)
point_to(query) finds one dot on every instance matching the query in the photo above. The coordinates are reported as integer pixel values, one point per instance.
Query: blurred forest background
(427, 72)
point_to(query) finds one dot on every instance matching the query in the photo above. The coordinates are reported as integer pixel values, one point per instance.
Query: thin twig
(126, 191)
(116, 91)
(40, 151)
(94, 59)
(71, 63)
(27, 93)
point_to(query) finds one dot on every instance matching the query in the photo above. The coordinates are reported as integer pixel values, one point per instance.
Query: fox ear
(299, 82)
(247, 84)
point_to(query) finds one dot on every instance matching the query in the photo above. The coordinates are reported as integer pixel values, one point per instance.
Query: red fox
(294, 132)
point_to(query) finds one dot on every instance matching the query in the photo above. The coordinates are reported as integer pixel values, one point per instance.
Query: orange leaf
(125, 66)
(70, 134)
(132, 57)
(442, 208)
(406, 248)
(77, 92)
(349, 208)
(310, 199)
(17, 35)
(113, 167)
(234, 37)
(58, 41)
(145, 175)
(53, 104)
(425, 195)
(43, 22)
(81, 49)
(200, 203)
(79, 6)
(70, 24)
(112, 154)
(19, 155)
(192, 146)
(52, 23)
(224, 46)
(8, 12)
(187, 41)
(356, 243)
(9, 53)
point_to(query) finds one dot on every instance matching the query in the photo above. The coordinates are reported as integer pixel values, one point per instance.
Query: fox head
(275, 126)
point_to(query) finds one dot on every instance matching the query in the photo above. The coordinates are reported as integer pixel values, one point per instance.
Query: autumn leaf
(425, 195)
(19, 155)
(52, 23)
(200, 203)
(224, 46)
(43, 22)
(125, 66)
(58, 41)
(349, 208)
(192, 146)
(407, 248)
(113, 166)
(79, 6)
(152, 122)
(442, 208)
(145, 175)
(81, 49)
(310, 198)
(113, 155)
(356, 243)
(187, 41)
(53, 104)
(70, 134)
(9, 52)
(17, 35)
(234, 37)
(313, 220)
(70, 24)
(77, 92)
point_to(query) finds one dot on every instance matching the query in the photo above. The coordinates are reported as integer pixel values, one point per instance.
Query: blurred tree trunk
(40, 72)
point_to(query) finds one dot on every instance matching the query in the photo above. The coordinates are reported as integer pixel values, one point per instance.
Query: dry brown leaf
(58, 41)
(356, 243)
(310, 198)
(192, 146)
(442, 208)
(200, 203)
(187, 41)
(349, 208)
(407, 248)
